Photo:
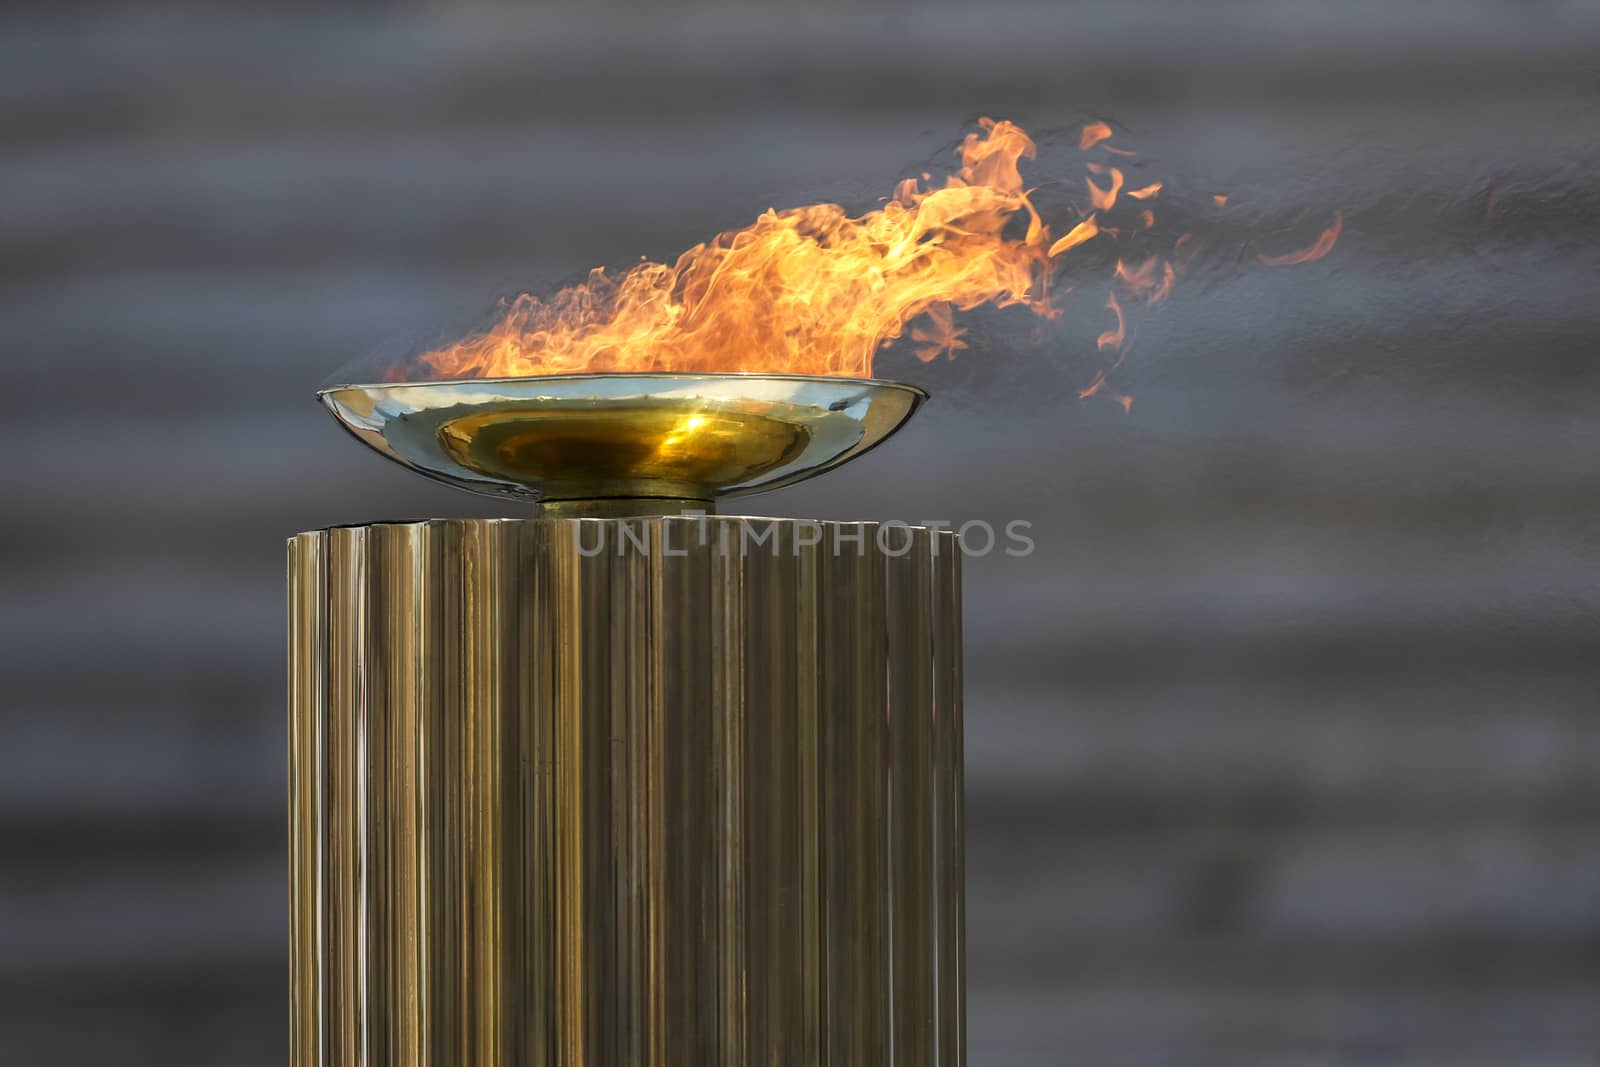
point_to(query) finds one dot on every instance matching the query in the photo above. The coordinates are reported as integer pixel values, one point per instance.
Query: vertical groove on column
(909, 584)
(347, 677)
(385, 743)
(308, 664)
(656, 765)
(510, 812)
(536, 652)
(853, 751)
(683, 814)
(566, 782)
(585, 928)
(479, 713)
(945, 671)
(773, 802)
(629, 657)
(728, 746)
(441, 893)
(807, 996)
(410, 545)
(371, 776)
(499, 815)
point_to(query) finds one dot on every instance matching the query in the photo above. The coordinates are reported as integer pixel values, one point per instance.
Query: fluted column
(679, 792)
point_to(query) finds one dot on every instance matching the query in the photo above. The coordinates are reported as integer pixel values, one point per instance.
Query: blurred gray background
(1283, 747)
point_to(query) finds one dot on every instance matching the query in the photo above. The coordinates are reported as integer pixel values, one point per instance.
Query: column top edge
(652, 520)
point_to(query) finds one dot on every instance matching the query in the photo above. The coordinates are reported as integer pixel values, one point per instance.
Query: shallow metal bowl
(624, 443)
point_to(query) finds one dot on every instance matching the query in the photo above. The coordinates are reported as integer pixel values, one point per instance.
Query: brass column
(679, 792)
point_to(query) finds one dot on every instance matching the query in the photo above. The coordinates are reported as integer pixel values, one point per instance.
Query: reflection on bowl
(624, 443)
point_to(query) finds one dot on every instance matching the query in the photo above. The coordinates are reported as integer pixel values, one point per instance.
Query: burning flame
(815, 290)
(1113, 339)
(1323, 245)
(1093, 134)
(1076, 236)
(1104, 199)
(811, 290)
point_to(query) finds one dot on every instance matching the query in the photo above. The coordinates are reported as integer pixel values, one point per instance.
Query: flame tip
(1319, 248)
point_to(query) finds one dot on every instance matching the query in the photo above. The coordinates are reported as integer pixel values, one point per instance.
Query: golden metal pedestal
(680, 792)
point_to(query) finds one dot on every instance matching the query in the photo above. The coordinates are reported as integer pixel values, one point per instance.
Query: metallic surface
(662, 438)
(665, 791)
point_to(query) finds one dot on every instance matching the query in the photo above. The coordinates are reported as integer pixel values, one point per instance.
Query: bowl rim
(588, 376)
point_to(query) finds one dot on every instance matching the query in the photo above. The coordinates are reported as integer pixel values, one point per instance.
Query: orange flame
(810, 290)
(815, 290)
(1114, 338)
(1324, 244)
(1169, 275)
(1104, 199)
(1076, 236)
(1136, 278)
(1151, 280)
(1093, 134)
(941, 337)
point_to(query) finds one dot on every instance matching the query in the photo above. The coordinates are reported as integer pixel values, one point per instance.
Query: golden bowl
(621, 444)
